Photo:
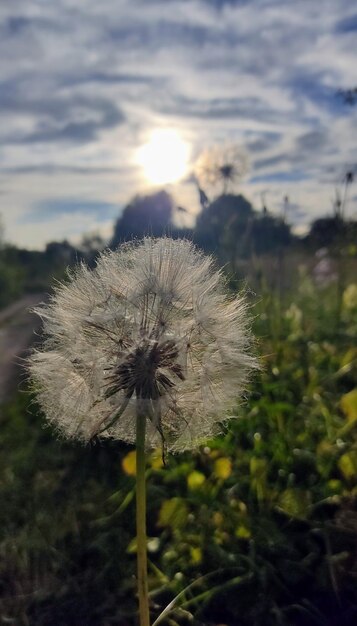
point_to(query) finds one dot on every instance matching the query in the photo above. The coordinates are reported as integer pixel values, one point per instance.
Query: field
(258, 527)
(178, 433)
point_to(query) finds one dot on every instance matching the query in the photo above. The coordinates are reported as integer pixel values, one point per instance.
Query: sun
(164, 158)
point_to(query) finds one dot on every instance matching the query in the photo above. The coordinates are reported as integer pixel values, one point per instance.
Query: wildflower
(149, 330)
(221, 165)
(324, 271)
(349, 297)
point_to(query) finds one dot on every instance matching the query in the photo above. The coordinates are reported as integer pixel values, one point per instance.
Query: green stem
(141, 519)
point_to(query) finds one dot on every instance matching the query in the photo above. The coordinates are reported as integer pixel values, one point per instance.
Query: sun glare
(164, 158)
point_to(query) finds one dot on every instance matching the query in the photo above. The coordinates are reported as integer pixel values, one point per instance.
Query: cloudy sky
(83, 84)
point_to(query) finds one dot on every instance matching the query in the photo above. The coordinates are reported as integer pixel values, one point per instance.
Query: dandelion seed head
(151, 328)
(225, 165)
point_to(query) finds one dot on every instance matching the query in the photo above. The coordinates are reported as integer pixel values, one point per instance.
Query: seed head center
(149, 370)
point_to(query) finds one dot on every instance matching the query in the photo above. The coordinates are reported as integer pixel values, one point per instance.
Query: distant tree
(61, 253)
(332, 232)
(1, 232)
(326, 231)
(224, 223)
(90, 247)
(91, 241)
(12, 276)
(145, 215)
(269, 233)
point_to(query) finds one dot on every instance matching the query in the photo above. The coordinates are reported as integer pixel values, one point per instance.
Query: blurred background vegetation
(259, 527)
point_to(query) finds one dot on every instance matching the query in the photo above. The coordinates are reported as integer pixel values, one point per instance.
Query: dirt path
(17, 332)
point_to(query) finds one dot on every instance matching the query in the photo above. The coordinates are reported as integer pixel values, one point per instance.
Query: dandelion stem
(141, 518)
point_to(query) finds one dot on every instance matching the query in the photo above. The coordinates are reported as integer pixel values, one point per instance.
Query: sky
(83, 84)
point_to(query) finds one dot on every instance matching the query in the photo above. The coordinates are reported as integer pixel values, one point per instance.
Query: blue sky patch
(55, 208)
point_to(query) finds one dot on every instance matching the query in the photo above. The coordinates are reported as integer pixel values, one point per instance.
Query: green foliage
(27, 271)
(11, 281)
(257, 528)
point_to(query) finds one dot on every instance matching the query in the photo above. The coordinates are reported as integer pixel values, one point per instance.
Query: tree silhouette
(224, 220)
(269, 233)
(145, 215)
(326, 231)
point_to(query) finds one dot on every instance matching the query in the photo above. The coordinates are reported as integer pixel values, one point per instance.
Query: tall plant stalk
(141, 518)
